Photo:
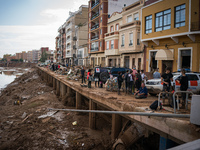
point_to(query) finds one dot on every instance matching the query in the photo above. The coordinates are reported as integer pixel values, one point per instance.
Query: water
(8, 75)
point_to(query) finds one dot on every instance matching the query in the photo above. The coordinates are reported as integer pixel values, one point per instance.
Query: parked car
(114, 71)
(154, 86)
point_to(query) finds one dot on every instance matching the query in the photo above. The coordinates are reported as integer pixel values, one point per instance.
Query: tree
(43, 56)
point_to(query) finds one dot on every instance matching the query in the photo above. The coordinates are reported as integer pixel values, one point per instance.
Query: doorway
(153, 63)
(185, 59)
(126, 61)
(165, 64)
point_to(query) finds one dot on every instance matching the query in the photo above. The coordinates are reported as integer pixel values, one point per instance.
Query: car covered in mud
(154, 86)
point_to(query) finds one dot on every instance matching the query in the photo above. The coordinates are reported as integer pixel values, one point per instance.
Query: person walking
(156, 74)
(130, 76)
(138, 80)
(83, 75)
(127, 80)
(166, 79)
(119, 80)
(134, 77)
(89, 78)
(143, 76)
(184, 86)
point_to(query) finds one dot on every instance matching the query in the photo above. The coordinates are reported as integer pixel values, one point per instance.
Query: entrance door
(185, 57)
(126, 61)
(139, 63)
(165, 64)
(110, 63)
(153, 63)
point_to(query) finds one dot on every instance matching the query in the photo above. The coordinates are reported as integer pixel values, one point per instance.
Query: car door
(193, 84)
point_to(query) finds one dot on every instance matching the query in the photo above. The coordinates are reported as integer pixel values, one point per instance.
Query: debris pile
(112, 85)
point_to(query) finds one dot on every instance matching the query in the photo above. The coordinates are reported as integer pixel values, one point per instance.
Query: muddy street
(26, 122)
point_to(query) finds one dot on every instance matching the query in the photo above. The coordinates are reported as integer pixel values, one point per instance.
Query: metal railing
(125, 113)
(95, 4)
(95, 37)
(174, 100)
(95, 26)
(94, 16)
(94, 49)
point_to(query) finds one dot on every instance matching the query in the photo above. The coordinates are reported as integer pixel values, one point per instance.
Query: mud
(22, 127)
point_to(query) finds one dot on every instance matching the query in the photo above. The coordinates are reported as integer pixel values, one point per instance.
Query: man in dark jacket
(142, 92)
(119, 80)
(83, 75)
(138, 80)
(184, 86)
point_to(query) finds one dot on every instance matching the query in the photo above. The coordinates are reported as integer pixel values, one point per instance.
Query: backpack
(139, 78)
(154, 105)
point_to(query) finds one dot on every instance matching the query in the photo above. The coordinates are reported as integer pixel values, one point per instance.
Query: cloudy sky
(31, 24)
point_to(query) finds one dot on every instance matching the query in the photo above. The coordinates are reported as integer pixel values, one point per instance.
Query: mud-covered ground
(23, 126)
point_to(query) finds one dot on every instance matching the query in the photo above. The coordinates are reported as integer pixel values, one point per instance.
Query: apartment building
(113, 57)
(171, 34)
(35, 56)
(18, 55)
(130, 47)
(24, 56)
(29, 56)
(80, 45)
(65, 43)
(99, 12)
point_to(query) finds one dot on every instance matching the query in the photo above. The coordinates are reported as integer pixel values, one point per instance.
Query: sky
(31, 24)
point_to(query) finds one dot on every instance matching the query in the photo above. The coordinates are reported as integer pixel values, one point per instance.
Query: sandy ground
(23, 126)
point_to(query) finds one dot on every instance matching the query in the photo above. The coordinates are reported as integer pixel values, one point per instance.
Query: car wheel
(120, 147)
(152, 94)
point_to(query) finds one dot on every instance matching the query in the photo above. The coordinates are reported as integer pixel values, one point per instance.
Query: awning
(164, 55)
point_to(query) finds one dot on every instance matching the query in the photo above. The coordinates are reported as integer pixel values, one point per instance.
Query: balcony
(94, 16)
(94, 49)
(135, 22)
(95, 4)
(112, 52)
(195, 26)
(69, 54)
(79, 56)
(130, 44)
(68, 47)
(95, 27)
(74, 38)
(112, 33)
(95, 38)
(74, 47)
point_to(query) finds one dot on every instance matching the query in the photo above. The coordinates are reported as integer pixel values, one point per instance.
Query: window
(136, 16)
(148, 24)
(112, 44)
(192, 77)
(101, 19)
(117, 27)
(102, 6)
(111, 29)
(163, 20)
(122, 41)
(129, 18)
(101, 31)
(130, 39)
(89, 35)
(100, 44)
(180, 16)
(138, 38)
(107, 45)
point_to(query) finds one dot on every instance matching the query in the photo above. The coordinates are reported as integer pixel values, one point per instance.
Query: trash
(78, 138)
(49, 114)
(112, 85)
(24, 115)
(17, 102)
(74, 123)
(83, 144)
(68, 114)
(45, 120)
(27, 118)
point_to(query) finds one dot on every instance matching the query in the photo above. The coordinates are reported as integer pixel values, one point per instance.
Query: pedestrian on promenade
(83, 75)
(134, 77)
(119, 80)
(89, 78)
(143, 76)
(142, 92)
(166, 79)
(156, 74)
(127, 81)
(138, 80)
(184, 86)
(130, 77)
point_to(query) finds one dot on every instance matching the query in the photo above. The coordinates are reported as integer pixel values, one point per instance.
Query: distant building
(29, 56)
(24, 56)
(6, 56)
(18, 55)
(44, 49)
(35, 55)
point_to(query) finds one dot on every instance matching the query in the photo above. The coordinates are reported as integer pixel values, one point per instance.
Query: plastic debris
(74, 123)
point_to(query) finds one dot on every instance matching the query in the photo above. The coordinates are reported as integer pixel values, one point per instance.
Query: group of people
(133, 80)
(166, 80)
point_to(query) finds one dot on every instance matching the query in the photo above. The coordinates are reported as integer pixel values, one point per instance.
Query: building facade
(99, 12)
(130, 48)
(18, 55)
(29, 56)
(172, 34)
(24, 56)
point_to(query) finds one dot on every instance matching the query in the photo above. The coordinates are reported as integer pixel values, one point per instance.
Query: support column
(58, 88)
(69, 90)
(116, 126)
(63, 90)
(78, 100)
(54, 83)
(92, 116)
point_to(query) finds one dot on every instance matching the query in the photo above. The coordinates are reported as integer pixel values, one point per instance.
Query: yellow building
(171, 33)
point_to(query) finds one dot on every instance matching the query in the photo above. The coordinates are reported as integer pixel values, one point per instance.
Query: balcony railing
(95, 27)
(95, 38)
(79, 56)
(195, 26)
(94, 49)
(94, 16)
(95, 4)
(130, 44)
